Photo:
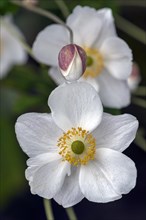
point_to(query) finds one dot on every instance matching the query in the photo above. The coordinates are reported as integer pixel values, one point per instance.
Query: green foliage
(7, 7)
(12, 161)
(25, 89)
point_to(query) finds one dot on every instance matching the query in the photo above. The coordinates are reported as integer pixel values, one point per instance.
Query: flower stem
(71, 214)
(140, 140)
(141, 91)
(48, 209)
(44, 13)
(138, 101)
(131, 29)
(63, 7)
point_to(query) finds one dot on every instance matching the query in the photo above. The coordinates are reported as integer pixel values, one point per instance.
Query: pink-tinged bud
(72, 62)
(135, 78)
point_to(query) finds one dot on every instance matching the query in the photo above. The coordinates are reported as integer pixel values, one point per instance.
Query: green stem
(139, 140)
(48, 209)
(64, 9)
(138, 101)
(141, 91)
(131, 29)
(71, 214)
(44, 13)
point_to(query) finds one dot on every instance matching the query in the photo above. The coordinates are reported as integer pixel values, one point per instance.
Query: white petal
(5, 66)
(70, 193)
(76, 105)
(114, 93)
(49, 178)
(85, 24)
(56, 75)
(117, 57)
(37, 133)
(95, 186)
(107, 177)
(108, 26)
(49, 42)
(10, 46)
(116, 132)
(35, 163)
(92, 81)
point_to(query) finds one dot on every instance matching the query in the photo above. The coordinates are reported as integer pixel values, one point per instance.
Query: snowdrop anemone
(108, 57)
(76, 151)
(11, 50)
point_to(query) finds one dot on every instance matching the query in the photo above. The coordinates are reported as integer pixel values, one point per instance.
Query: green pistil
(89, 61)
(77, 147)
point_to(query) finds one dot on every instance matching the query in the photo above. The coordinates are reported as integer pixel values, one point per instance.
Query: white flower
(75, 151)
(109, 57)
(11, 50)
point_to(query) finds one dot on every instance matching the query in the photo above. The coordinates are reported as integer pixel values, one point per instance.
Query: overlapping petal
(49, 178)
(37, 133)
(56, 75)
(34, 163)
(114, 93)
(116, 132)
(49, 42)
(70, 193)
(109, 176)
(117, 57)
(76, 105)
(108, 26)
(85, 24)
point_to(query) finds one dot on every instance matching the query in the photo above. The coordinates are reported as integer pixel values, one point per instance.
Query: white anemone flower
(76, 151)
(11, 50)
(109, 57)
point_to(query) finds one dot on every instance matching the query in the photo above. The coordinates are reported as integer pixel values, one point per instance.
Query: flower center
(94, 63)
(77, 146)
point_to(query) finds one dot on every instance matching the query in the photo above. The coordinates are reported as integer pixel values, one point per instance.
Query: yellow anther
(75, 156)
(97, 64)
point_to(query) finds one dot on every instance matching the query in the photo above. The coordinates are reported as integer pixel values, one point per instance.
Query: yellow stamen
(97, 64)
(77, 135)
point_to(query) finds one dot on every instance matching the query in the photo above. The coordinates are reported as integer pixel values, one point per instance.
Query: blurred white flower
(11, 50)
(108, 57)
(30, 2)
(135, 78)
(75, 151)
(72, 62)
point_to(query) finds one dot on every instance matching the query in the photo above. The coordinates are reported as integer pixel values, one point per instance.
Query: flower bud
(135, 78)
(72, 62)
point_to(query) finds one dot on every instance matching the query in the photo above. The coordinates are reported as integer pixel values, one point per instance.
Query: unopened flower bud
(134, 78)
(72, 62)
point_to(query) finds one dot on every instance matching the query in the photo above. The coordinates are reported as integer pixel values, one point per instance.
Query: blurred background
(26, 89)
